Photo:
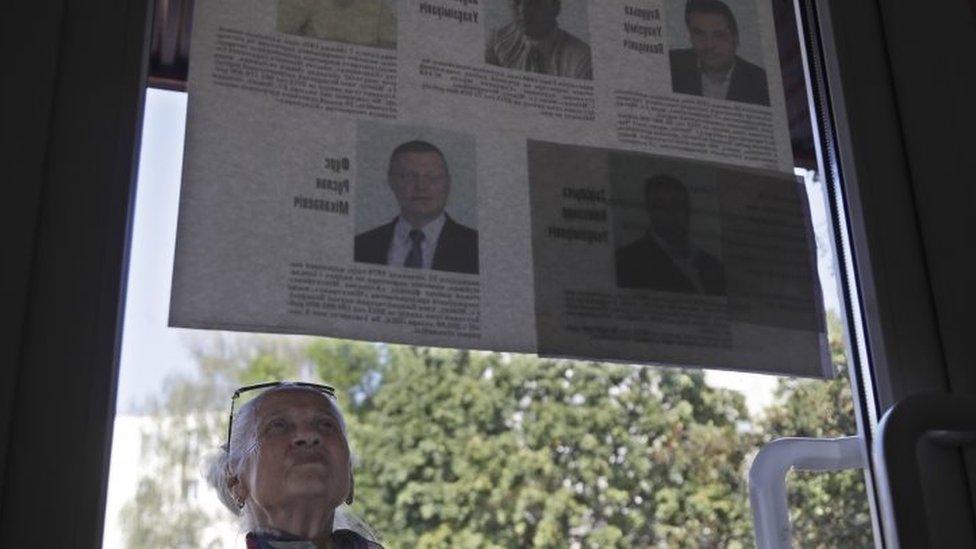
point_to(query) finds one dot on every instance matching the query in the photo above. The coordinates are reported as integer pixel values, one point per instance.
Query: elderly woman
(286, 468)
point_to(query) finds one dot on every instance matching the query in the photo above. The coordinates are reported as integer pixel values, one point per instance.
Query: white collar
(722, 77)
(432, 230)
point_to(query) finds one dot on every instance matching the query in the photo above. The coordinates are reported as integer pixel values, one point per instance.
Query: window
(473, 448)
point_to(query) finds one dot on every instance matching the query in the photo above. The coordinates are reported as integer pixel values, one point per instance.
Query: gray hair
(244, 433)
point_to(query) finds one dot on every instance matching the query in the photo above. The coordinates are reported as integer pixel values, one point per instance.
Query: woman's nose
(306, 437)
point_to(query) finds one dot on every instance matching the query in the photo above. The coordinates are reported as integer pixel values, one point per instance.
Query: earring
(240, 503)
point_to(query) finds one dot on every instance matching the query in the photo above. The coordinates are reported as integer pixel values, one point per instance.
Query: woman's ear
(236, 488)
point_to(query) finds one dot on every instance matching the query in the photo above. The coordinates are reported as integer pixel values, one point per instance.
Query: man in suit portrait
(533, 42)
(711, 68)
(422, 235)
(665, 258)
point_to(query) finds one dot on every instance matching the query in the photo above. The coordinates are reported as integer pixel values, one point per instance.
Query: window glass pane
(550, 452)
(472, 449)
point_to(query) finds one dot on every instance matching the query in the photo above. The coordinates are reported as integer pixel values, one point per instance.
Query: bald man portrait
(665, 258)
(422, 235)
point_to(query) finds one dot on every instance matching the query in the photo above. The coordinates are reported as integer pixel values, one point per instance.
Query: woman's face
(301, 453)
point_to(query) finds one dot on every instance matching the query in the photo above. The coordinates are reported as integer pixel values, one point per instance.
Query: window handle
(936, 419)
(767, 479)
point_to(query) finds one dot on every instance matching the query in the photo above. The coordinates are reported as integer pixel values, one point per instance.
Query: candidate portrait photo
(539, 36)
(407, 220)
(716, 64)
(667, 229)
(666, 257)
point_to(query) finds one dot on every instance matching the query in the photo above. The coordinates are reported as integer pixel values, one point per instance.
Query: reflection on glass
(457, 448)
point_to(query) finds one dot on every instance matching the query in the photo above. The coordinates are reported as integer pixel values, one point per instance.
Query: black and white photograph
(548, 37)
(666, 226)
(715, 50)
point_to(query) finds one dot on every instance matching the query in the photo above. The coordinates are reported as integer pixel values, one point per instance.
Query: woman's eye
(277, 426)
(327, 425)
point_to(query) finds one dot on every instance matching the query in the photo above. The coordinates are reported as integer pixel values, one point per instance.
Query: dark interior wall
(73, 92)
(26, 115)
(934, 80)
(902, 100)
(902, 93)
(867, 144)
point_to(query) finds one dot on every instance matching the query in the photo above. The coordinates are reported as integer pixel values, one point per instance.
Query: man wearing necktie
(422, 236)
(533, 42)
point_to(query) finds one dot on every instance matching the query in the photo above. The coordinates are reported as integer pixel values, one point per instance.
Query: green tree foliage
(485, 450)
(472, 449)
(355, 369)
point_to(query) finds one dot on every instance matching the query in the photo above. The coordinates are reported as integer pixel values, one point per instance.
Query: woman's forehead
(296, 400)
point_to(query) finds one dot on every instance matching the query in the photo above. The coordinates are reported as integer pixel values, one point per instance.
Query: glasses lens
(249, 392)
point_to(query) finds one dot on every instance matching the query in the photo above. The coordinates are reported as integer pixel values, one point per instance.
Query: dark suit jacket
(747, 83)
(457, 247)
(643, 264)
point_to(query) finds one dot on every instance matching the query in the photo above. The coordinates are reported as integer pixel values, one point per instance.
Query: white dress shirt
(716, 85)
(401, 243)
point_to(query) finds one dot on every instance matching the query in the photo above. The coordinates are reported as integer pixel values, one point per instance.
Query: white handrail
(767, 479)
